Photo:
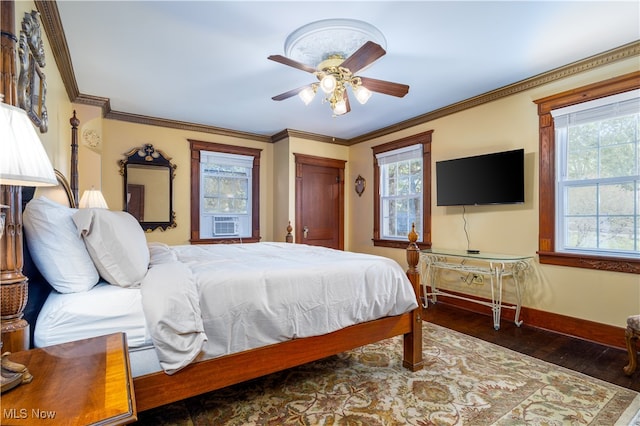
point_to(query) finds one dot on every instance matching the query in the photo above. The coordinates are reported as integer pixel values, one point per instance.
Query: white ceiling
(205, 62)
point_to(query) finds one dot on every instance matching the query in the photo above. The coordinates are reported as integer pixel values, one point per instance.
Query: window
(225, 191)
(597, 185)
(402, 182)
(590, 177)
(225, 198)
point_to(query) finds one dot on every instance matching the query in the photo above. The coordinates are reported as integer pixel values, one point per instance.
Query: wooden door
(319, 201)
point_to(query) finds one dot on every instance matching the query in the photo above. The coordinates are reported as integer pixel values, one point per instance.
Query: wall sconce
(360, 185)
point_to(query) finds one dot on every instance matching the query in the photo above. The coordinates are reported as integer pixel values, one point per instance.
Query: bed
(186, 339)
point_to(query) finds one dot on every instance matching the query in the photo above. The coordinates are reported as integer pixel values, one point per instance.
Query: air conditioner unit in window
(225, 226)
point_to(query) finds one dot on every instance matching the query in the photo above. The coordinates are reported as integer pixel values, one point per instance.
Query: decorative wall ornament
(92, 139)
(32, 84)
(360, 185)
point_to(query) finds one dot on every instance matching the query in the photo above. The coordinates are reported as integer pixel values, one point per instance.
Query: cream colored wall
(509, 123)
(283, 197)
(120, 137)
(89, 148)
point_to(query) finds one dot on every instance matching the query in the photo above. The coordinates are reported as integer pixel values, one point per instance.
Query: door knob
(306, 231)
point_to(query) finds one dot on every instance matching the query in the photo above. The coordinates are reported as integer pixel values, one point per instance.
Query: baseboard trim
(569, 326)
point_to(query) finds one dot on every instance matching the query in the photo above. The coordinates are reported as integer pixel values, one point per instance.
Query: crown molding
(52, 25)
(183, 125)
(55, 33)
(623, 52)
(290, 133)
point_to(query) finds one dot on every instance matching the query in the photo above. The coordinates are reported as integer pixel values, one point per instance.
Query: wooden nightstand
(78, 383)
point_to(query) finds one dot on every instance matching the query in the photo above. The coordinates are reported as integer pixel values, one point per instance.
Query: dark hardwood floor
(602, 362)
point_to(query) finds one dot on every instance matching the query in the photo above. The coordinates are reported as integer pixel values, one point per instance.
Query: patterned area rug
(466, 381)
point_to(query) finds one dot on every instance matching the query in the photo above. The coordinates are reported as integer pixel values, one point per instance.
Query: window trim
(547, 171)
(421, 138)
(197, 146)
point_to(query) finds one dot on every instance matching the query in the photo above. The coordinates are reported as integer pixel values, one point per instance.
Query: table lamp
(23, 162)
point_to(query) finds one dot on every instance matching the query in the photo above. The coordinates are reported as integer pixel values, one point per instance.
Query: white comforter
(204, 301)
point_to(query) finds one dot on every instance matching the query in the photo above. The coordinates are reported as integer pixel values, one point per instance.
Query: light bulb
(362, 94)
(307, 95)
(340, 107)
(328, 83)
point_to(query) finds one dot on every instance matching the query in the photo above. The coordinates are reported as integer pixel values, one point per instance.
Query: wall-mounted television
(496, 178)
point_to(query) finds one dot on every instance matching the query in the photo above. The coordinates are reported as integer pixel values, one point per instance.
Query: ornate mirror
(32, 85)
(148, 187)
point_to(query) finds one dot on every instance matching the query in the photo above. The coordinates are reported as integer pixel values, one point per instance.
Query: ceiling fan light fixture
(362, 94)
(307, 94)
(340, 107)
(340, 49)
(328, 83)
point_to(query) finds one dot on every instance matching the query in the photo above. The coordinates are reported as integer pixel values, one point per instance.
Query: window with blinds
(401, 185)
(598, 176)
(225, 192)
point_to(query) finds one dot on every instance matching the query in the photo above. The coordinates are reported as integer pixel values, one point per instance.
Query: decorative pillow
(116, 243)
(56, 248)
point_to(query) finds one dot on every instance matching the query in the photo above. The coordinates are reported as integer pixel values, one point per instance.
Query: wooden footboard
(156, 389)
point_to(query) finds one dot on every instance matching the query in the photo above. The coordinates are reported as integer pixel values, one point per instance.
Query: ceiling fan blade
(290, 93)
(385, 87)
(364, 56)
(295, 64)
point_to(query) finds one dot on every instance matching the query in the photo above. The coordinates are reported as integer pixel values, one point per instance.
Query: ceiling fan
(336, 73)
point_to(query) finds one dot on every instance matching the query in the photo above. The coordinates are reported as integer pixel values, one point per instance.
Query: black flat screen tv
(496, 178)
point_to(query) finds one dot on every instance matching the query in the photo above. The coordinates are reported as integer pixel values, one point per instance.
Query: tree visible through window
(401, 187)
(224, 193)
(590, 176)
(598, 181)
(402, 182)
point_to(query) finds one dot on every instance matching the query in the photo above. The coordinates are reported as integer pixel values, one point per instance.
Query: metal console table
(495, 266)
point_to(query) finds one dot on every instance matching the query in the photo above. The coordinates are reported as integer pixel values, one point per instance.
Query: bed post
(413, 340)
(289, 237)
(74, 157)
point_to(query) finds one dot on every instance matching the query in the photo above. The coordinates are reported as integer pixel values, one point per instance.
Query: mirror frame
(147, 155)
(32, 83)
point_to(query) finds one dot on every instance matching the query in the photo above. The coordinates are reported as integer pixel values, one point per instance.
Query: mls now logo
(23, 413)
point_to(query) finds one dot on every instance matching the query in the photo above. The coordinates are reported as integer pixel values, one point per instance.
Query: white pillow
(56, 248)
(160, 253)
(117, 244)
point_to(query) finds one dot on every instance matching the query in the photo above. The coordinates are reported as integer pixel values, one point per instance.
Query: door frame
(311, 160)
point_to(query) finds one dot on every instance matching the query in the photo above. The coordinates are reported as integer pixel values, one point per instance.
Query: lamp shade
(23, 160)
(93, 198)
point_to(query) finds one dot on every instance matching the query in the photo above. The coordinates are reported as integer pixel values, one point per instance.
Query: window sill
(224, 240)
(602, 263)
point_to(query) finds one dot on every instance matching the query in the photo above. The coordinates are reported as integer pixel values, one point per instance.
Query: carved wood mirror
(148, 187)
(32, 84)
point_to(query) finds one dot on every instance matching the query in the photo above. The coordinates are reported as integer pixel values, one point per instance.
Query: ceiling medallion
(315, 42)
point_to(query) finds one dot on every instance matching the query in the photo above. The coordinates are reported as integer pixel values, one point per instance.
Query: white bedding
(104, 309)
(252, 295)
(204, 301)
